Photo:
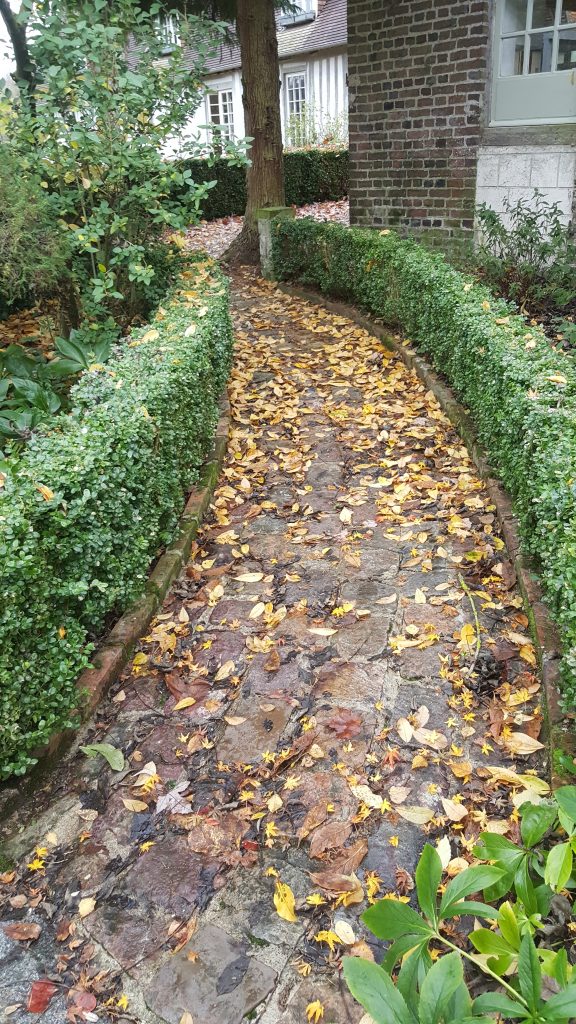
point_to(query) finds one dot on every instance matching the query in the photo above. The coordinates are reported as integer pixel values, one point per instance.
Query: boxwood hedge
(94, 496)
(520, 391)
(311, 176)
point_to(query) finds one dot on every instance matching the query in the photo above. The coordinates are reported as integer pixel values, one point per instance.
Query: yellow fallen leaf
(46, 493)
(467, 635)
(329, 937)
(187, 1018)
(257, 610)
(398, 794)
(453, 810)
(150, 335)
(135, 805)
(366, 796)
(250, 577)
(186, 702)
(527, 654)
(314, 1011)
(420, 597)
(234, 719)
(275, 803)
(190, 330)
(284, 902)
(431, 738)
(404, 729)
(345, 933)
(86, 906)
(224, 671)
(522, 743)
(417, 815)
(444, 851)
(322, 631)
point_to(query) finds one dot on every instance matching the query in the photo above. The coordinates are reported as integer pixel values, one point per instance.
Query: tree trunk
(256, 27)
(24, 76)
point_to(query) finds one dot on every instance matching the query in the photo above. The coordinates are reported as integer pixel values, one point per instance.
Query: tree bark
(24, 76)
(256, 28)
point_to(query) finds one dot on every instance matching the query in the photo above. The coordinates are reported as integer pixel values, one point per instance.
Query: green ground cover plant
(94, 495)
(528, 977)
(521, 393)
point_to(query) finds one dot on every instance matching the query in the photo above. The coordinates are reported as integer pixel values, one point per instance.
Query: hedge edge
(544, 630)
(113, 652)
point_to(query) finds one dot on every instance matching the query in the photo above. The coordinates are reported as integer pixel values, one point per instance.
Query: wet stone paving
(342, 672)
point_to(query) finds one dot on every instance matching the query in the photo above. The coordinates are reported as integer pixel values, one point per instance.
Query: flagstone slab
(214, 978)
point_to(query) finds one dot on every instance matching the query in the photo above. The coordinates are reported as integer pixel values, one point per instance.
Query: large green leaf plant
(527, 980)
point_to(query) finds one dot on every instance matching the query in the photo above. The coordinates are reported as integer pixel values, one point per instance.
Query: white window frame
(169, 25)
(545, 97)
(288, 75)
(308, 10)
(225, 124)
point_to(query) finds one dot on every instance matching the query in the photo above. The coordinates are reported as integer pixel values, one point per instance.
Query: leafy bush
(311, 175)
(521, 393)
(91, 499)
(34, 251)
(514, 952)
(95, 135)
(527, 253)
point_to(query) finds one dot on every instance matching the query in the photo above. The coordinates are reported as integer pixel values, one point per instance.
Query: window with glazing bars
(537, 36)
(222, 112)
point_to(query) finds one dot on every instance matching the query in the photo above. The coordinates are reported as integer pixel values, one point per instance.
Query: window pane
(226, 113)
(515, 14)
(512, 56)
(566, 50)
(543, 13)
(296, 88)
(568, 12)
(214, 108)
(540, 58)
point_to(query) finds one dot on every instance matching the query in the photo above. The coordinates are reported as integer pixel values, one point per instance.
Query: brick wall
(417, 82)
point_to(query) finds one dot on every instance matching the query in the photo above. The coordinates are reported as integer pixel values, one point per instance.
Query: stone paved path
(307, 709)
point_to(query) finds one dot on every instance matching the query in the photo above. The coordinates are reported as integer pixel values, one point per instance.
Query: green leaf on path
(111, 754)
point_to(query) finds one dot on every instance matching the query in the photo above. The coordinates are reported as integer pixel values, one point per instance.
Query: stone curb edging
(114, 651)
(544, 630)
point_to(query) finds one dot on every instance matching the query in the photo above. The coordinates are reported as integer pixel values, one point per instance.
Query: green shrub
(311, 176)
(528, 255)
(34, 250)
(521, 393)
(91, 500)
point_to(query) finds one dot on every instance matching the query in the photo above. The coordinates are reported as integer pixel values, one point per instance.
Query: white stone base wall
(514, 172)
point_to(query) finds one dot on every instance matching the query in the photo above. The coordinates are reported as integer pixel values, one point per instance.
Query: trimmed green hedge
(93, 498)
(520, 392)
(311, 176)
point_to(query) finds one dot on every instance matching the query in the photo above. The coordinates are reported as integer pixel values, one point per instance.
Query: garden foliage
(109, 106)
(520, 391)
(91, 499)
(528, 254)
(310, 176)
(528, 977)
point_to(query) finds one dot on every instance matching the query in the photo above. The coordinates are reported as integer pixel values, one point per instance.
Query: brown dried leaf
(329, 837)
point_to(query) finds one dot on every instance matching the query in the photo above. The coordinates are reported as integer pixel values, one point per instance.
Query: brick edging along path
(544, 630)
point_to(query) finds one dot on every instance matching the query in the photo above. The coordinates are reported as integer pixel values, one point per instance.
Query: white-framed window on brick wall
(221, 112)
(534, 73)
(295, 105)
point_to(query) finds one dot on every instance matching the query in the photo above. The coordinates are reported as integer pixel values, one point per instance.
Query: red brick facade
(418, 74)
